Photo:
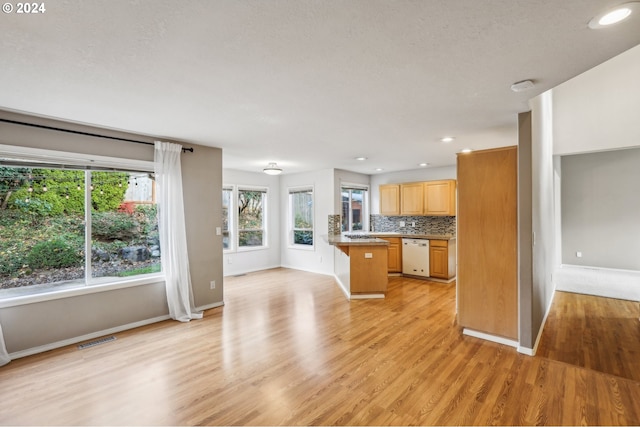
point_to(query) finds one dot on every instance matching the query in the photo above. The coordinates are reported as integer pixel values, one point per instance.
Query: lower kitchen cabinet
(395, 254)
(442, 259)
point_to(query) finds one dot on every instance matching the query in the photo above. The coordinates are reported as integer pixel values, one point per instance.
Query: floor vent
(96, 342)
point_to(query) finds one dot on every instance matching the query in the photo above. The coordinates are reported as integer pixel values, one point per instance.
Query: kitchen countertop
(342, 240)
(375, 238)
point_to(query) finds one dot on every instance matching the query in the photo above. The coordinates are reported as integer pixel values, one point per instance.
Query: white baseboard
(74, 340)
(342, 287)
(253, 270)
(604, 282)
(489, 337)
(367, 296)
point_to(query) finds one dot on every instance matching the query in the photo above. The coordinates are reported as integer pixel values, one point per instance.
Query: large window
(355, 215)
(61, 227)
(251, 217)
(301, 206)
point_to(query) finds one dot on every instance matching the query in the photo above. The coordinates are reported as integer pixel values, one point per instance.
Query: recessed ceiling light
(361, 158)
(379, 169)
(466, 150)
(447, 139)
(613, 16)
(422, 165)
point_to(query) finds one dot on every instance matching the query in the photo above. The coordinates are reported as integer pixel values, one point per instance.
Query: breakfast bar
(360, 265)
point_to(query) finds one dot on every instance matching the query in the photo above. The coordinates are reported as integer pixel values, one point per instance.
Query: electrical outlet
(402, 223)
(218, 231)
(579, 254)
(212, 285)
(413, 223)
(368, 255)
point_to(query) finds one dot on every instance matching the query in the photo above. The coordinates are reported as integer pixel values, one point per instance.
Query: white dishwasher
(415, 257)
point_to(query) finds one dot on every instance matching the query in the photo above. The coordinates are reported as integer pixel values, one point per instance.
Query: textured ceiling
(309, 84)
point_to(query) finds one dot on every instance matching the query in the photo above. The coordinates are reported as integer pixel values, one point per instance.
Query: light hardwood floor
(287, 348)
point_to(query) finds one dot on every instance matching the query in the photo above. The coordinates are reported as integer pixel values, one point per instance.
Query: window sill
(80, 289)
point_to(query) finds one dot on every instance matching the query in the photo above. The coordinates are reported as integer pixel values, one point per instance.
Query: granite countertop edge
(376, 238)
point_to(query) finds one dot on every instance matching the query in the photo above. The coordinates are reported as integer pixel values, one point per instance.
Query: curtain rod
(190, 149)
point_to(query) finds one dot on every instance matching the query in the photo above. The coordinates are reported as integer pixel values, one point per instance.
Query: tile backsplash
(423, 224)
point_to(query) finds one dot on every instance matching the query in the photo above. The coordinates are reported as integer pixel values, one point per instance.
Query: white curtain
(4, 356)
(173, 236)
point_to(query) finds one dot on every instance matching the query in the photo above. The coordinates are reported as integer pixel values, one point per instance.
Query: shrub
(114, 226)
(54, 254)
(12, 262)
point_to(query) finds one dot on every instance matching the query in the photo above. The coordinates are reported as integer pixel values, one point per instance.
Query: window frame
(264, 229)
(230, 219)
(365, 206)
(291, 229)
(54, 159)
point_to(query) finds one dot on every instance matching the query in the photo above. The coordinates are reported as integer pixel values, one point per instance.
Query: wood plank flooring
(288, 349)
(597, 333)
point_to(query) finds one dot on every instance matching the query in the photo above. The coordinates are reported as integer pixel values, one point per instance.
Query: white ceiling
(309, 84)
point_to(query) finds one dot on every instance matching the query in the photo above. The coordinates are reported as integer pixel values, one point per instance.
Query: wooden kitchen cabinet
(395, 254)
(440, 197)
(412, 198)
(390, 199)
(488, 242)
(442, 259)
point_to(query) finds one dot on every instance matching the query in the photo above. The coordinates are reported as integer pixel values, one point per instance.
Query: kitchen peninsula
(360, 265)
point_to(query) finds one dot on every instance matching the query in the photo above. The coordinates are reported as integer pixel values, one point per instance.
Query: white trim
(308, 270)
(70, 341)
(534, 350)
(604, 282)
(342, 287)
(489, 337)
(80, 290)
(367, 296)
(241, 272)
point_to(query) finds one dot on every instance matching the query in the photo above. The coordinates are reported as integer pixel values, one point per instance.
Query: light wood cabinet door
(412, 198)
(439, 259)
(395, 254)
(440, 197)
(487, 242)
(390, 199)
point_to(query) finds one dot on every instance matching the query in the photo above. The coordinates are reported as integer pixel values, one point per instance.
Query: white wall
(599, 109)
(245, 261)
(319, 259)
(413, 175)
(543, 216)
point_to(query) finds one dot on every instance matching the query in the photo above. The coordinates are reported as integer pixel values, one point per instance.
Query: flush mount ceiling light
(272, 169)
(522, 86)
(447, 139)
(614, 15)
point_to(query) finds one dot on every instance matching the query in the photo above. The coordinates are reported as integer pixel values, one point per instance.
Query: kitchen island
(360, 265)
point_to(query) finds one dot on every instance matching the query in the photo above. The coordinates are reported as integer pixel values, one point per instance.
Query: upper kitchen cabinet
(390, 199)
(440, 197)
(430, 198)
(412, 199)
